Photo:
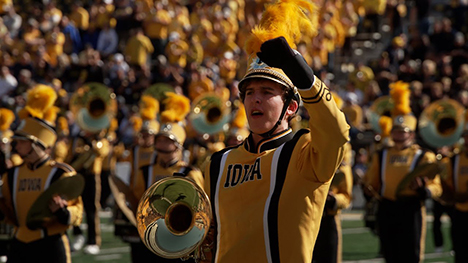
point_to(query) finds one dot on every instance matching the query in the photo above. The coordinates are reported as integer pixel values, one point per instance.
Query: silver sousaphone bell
(173, 217)
(442, 123)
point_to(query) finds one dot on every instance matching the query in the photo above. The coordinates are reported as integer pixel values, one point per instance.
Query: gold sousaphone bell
(210, 113)
(94, 105)
(382, 106)
(442, 123)
(173, 217)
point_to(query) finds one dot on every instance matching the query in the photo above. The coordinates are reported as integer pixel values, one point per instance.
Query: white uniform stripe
(274, 166)
(150, 177)
(216, 199)
(415, 159)
(49, 177)
(383, 167)
(455, 172)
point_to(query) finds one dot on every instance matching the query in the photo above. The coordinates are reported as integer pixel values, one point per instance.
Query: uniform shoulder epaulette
(66, 167)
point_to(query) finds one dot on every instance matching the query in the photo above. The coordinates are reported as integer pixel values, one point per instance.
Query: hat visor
(261, 76)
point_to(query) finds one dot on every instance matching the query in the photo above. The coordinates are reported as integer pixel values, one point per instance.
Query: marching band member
(401, 214)
(25, 183)
(457, 193)
(88, 150)
(268, 193)
(168, 144)
(141, 154)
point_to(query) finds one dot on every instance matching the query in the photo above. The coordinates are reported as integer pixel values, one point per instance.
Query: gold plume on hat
(38, 101)
(50, 115)
(149, 107)
(385, 124)
(287, 18)
(176, 108)
(6, 119)
(400, 93)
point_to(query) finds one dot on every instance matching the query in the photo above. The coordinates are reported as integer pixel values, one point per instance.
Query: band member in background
(328, 247)
(456, 195)
(168, 144)
(141, 154)
(88, 150)
(274, 185)
(25, 183)
(401, 214)
(94, 108)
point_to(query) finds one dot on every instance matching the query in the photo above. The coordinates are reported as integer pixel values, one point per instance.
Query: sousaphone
(381, 107)
(442, 123)
(173, 217)
(210, 113)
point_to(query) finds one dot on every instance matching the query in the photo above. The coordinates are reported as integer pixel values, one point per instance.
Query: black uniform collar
(269, 143)
(38, 163)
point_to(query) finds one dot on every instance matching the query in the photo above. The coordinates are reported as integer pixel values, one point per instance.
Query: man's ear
(292, 108)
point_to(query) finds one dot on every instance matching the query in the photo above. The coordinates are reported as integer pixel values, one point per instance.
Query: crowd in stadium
(193, 48)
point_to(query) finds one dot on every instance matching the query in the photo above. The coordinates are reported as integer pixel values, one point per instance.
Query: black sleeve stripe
(420, 157)
(58, 173)
(316, 95)
(282, 169)
(145, 171)
(380, 154)
(11, 175)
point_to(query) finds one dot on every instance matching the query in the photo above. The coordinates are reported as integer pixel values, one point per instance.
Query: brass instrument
(210, 113)
(94, 106)
(381, 107)
(173, 217)
(442, 123)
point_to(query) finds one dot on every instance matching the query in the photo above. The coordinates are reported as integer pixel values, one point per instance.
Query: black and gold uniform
(401, 213)
(328, 247)
(87, 154)
(401, 217)
(268, 200)
(457, 190)
(22, 186)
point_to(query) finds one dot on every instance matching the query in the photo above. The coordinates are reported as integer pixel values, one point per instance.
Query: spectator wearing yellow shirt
(54, 44)
(79, 16)
(176, 50)
(138, 49)
(156, 26)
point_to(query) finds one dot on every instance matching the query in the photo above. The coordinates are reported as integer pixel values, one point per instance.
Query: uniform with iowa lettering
(268, 200)
(24, 184)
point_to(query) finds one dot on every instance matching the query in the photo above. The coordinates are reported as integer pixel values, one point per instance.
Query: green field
(359, 244)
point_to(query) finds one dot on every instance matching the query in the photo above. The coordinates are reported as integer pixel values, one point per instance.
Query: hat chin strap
(269, 133)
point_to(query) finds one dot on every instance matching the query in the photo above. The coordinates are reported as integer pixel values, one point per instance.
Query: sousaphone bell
(173, 217)
(442, 123)
(210, 113)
